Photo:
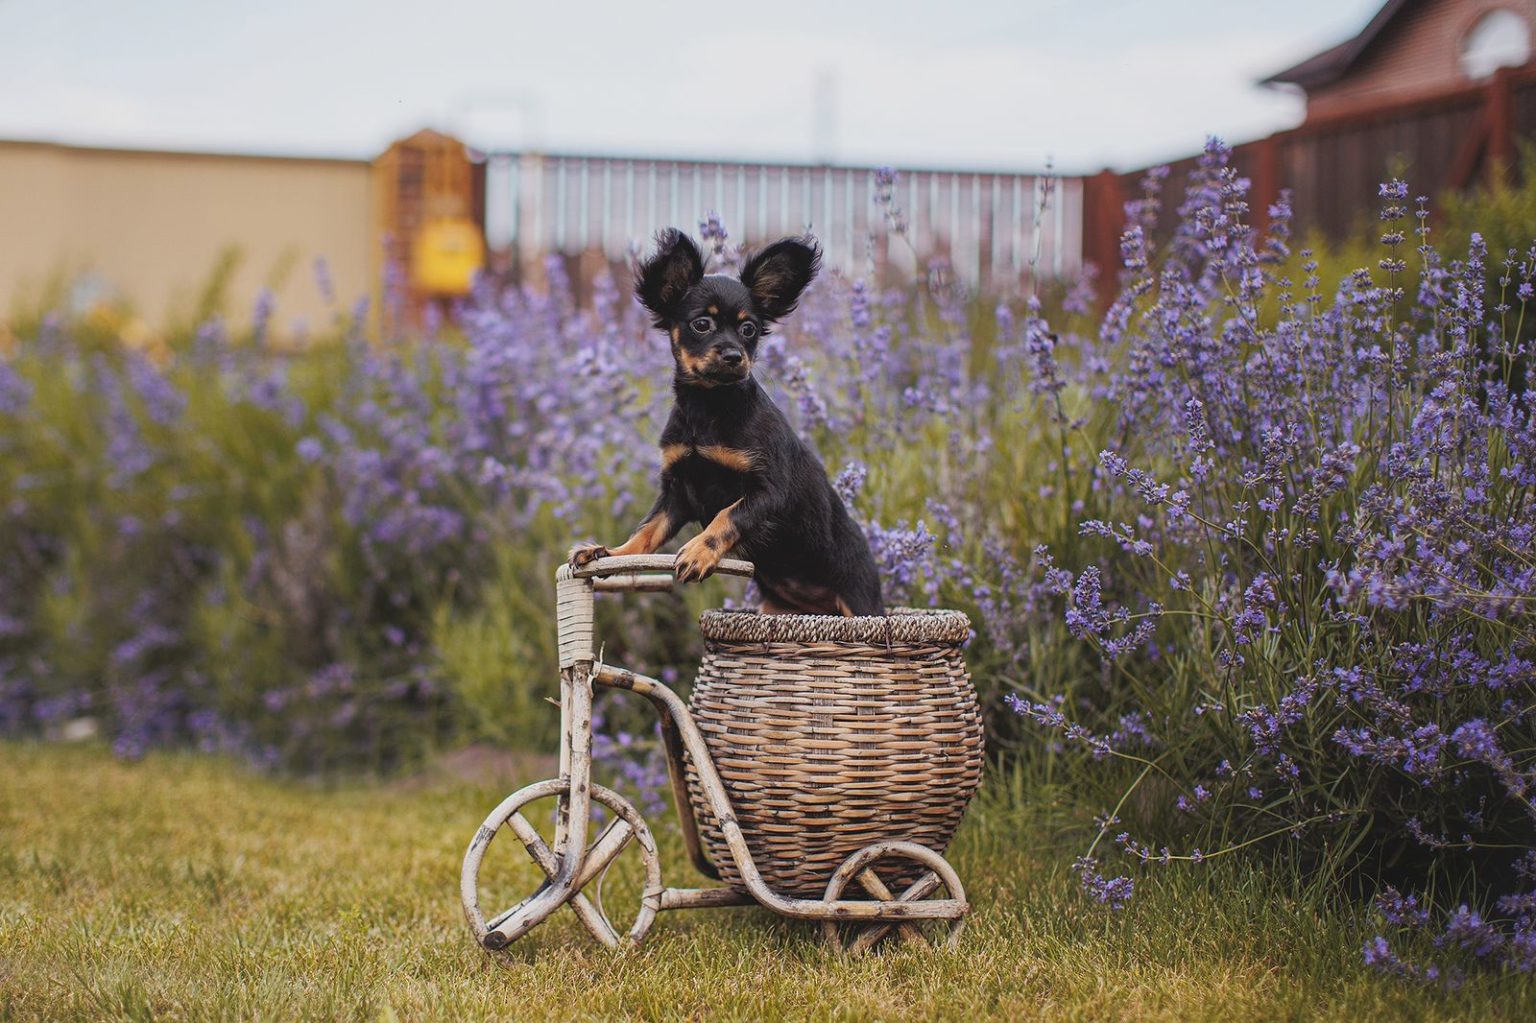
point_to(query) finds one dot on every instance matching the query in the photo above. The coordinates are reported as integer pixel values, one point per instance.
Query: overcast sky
(907, 82)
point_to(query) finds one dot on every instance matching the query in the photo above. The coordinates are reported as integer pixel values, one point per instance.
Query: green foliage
(1502, 210)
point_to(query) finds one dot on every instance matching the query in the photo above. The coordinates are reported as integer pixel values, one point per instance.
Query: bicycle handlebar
(641, 564)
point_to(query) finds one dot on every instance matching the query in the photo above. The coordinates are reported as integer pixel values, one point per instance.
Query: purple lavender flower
(1114, 892)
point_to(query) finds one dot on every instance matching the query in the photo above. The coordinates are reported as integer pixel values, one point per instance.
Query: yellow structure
(149, 229)
(446, 255)
(427, 202)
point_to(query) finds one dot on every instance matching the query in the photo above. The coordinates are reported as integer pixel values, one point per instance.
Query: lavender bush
(1252, 559)
(342, 555)
(1312, 603)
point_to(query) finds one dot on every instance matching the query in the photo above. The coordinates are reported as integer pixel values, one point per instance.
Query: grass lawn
(186, 888)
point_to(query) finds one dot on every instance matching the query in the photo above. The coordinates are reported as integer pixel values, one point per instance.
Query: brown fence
(990, 228)
(1333, 165)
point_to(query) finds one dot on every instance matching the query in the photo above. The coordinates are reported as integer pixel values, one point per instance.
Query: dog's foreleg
(661, 525)
(700, 556)
(741, 519)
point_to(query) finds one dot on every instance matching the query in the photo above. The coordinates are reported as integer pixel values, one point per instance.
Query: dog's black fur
(730, 460)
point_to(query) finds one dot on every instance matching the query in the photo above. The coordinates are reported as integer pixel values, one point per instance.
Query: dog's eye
(703, 325)
(747, 330)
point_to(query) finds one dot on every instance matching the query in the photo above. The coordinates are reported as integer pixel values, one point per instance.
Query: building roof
(1331, 64)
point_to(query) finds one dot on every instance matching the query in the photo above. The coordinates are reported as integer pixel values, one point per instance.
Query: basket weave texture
(833, 733)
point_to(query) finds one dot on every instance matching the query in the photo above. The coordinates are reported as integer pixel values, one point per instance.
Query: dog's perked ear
(663, 280)
(778, 275)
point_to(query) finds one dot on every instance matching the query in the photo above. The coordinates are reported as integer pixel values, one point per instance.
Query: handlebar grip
(647, 583)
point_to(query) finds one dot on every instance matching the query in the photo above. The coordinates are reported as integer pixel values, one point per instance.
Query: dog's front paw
(586, 553)
(698, 559)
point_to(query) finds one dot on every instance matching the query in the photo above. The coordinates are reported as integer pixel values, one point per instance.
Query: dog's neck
(705, 407)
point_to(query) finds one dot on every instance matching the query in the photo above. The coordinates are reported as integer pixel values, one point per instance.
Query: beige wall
(152, 226)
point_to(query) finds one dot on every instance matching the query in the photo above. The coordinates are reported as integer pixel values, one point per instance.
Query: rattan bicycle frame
(570, 862)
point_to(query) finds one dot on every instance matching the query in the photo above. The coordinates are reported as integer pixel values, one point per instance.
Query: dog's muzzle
(730, 363)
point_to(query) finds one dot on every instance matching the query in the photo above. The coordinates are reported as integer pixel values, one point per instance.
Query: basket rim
(900, 626)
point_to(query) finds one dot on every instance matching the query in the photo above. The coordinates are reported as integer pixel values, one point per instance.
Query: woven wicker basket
(833, 733)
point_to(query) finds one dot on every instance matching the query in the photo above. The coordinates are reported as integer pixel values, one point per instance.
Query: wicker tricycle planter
(813, 750)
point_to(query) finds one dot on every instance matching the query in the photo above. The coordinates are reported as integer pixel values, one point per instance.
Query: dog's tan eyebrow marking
(741, 316)
(714, 310)
(731, 458)
(671, 454)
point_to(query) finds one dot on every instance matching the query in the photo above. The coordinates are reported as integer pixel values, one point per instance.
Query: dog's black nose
(732, 356)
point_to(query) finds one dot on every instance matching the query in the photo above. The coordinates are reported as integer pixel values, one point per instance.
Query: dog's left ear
(778, 275)
(663, 280)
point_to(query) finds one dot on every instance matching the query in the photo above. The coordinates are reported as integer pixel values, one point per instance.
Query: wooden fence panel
(1333, 166)
(985, 225)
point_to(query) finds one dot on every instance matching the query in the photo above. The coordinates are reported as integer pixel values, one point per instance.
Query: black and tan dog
(729, 459)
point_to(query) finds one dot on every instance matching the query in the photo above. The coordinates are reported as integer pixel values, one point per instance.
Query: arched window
(1500, 38)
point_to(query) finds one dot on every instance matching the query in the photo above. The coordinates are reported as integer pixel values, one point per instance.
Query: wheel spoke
(873, 934)
(528, 835)
(554, 859)
(534, 843)
(874, 886)
(614, 839)
(501, 918)
(870, 936)
(590, 915)
(921, 888)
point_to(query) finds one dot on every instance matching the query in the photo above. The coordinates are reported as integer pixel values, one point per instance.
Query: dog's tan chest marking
(671, 454)
(732, 458)
(735, 459)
